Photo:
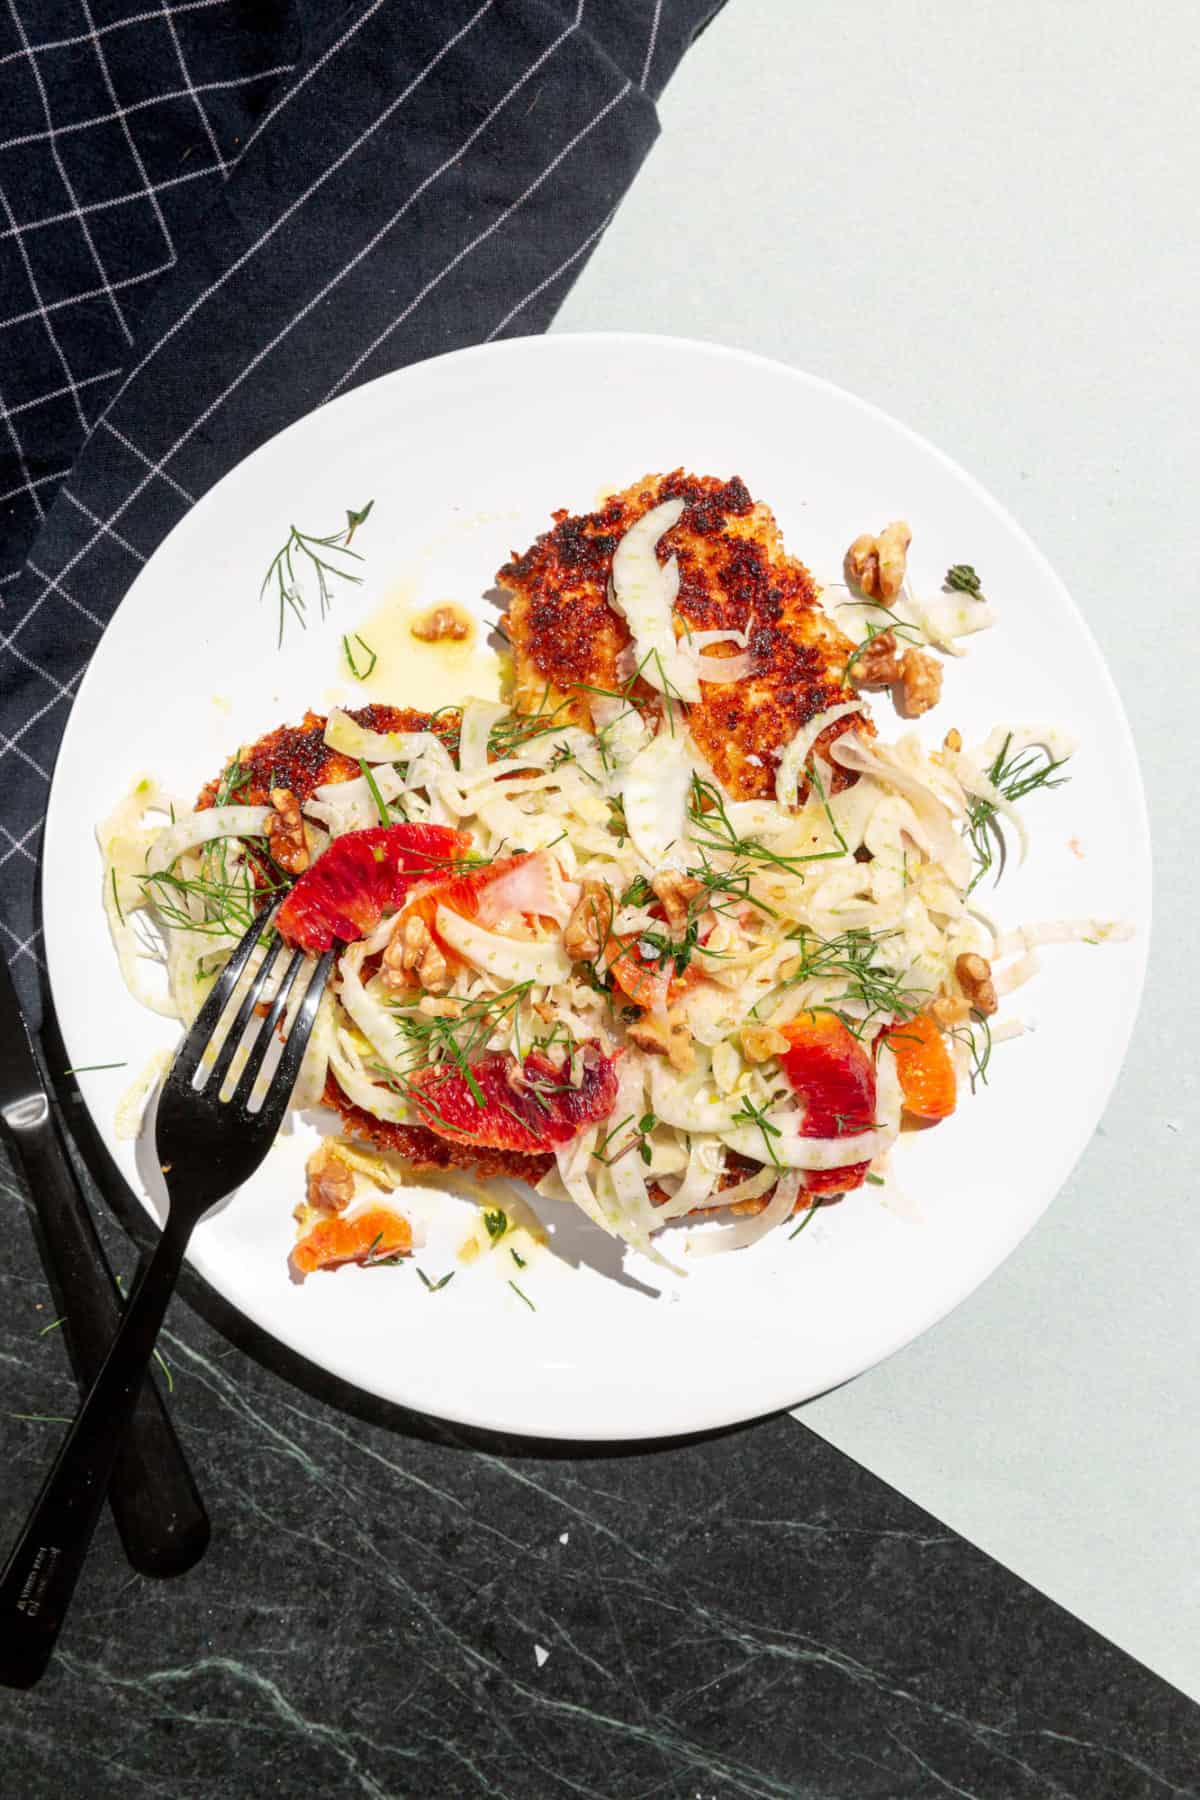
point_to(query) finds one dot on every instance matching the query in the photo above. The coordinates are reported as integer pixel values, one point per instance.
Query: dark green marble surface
(390, 1607)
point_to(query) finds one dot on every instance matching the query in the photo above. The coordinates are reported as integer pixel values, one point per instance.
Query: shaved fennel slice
(478, 718)
(1013, 740)
(346, 735)
(357, 1084)
(796, 754)
(792, 1151)
(1063, 931)
(372, 1016)
(690, 1102)
(342, 806)
(131, 1107)
(655, 793)
(534, 886)
(1016, 974)
(706, 1162)
(199, 828)
(976, 783)
(711, 1242)
(643, 591)
(944, 617)
(883, 764)
(509, 959)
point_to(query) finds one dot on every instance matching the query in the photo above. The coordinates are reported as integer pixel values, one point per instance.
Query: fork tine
(284, 1079)
(215, 1078)
(187, 1059)
(266, 1035)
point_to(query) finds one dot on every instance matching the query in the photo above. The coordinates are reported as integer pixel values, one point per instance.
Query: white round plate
(465, 457)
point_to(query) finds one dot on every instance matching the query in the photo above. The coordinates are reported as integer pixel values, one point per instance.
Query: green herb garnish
(496, 1223)
(434, 1287)
(522, 1296)
(301, 547)
(1013, 778)
(385, 817)
(962, 579)
(359, 674)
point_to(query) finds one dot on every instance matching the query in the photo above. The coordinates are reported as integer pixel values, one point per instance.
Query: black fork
(207, 1146)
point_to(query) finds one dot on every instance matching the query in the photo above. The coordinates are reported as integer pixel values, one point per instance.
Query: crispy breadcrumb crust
(734, 575)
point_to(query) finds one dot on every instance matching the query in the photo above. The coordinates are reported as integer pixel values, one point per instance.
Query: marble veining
(404, 1610)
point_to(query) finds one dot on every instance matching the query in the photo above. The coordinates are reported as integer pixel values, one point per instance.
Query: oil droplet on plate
(411, 671)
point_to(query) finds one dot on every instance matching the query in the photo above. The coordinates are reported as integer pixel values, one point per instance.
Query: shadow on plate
(107, 1181)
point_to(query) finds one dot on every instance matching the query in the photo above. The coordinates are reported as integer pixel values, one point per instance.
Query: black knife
(154, 1500)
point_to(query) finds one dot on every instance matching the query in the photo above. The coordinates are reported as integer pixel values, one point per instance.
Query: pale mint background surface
(984, 219)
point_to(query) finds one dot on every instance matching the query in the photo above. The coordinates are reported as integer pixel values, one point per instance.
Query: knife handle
(155, 1502)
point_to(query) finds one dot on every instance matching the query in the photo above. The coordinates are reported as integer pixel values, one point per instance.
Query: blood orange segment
(834, 1074)
(511, 1105)
(924, 1066)
(347, 890)
(376, 1235)
(460, 893)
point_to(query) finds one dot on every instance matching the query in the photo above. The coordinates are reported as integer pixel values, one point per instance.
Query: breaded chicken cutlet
(734, 575)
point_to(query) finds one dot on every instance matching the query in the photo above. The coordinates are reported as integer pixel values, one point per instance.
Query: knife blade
(155, 1502)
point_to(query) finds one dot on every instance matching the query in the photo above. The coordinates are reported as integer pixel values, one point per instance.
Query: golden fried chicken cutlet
(734, 575)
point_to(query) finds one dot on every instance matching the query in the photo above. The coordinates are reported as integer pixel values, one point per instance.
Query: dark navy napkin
(216, 214)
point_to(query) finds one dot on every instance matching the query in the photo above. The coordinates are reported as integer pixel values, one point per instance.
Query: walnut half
(920, 682)
(876, 565)
(674, 893)
(588, 929)
(439, 623)
(412, 957)
(285, 832)
(667, 1037)
(975, 979)
(330, 1180)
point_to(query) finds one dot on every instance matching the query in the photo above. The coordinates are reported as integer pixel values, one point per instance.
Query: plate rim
(781, 1396)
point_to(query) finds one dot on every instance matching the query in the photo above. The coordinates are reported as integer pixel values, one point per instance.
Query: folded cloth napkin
(216, 214)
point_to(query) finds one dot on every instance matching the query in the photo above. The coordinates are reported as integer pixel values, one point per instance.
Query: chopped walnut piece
(952, 739)
(950, 1010)
(975, 979)
(440, 1009)
(285, 832)
(876, 664)
(413, 957)
(674, 892)
(441, 622)
(876, 565)
(920, 682)
(760, 1042)
(667, 1037)
(587, 930)
(330, 1180)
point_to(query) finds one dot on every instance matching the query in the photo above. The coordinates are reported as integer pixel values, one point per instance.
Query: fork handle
(157, 1507)
(40, 1575)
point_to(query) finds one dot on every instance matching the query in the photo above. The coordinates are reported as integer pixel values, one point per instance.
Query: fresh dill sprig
(359, 674)
(980, 1048)
(896, 628)
(713, 832)
(962, 579)
(521, 1295)
(1013, 778)
(511, 734)
(385, 817)
(287, 566)
(853, 957)
(749, 1114)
